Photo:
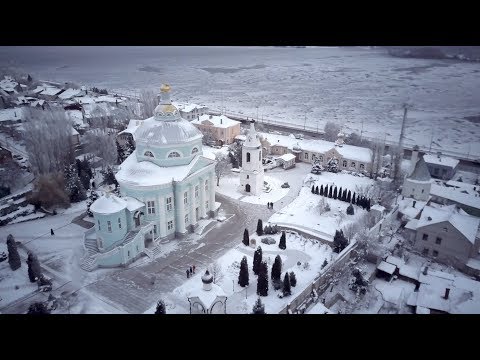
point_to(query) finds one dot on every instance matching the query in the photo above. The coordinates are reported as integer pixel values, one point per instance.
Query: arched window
(362, 167)
(194, 150)
(248, 157)
(148, 153)
(353, 164)
(344, 163)
(173, 154)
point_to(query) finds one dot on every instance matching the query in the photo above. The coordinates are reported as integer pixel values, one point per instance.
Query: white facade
(251, 174)
(417, 185)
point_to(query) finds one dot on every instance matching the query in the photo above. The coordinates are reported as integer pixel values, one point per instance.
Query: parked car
(3, 256)
(285, 185)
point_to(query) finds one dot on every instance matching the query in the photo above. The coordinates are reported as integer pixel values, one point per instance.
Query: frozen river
(296, 85)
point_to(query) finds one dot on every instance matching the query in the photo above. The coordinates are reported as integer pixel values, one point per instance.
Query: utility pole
(361, 132)
(305, 121)
(431, 139)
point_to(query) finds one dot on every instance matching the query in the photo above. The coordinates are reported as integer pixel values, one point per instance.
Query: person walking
(194, 269)
(51, 232)
(188, 273)
(191, 270)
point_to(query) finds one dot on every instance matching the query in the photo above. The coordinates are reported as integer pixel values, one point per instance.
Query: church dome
(207, 278)
(166, 111)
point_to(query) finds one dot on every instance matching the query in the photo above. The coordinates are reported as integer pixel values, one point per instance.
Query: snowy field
(310, 86)
(304, 214)
(241, 300)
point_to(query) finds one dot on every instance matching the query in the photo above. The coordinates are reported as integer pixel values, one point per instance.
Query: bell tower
(251, 175)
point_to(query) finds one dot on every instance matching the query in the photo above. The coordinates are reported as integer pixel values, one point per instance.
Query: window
(109, 226)
(206, 205)
(248, 157)
(438, 240)
(344, 163)
(206, 185)
(425, 251)
(148, 153)
(151, 207)
(435, 253)
(306, 156)
(423, 190)
(99, 225)
(155, 229)
(196, 191)
(425, 237)
(137, 248)
(119, 223)
(194, 150)
(362, 167)
(170, 225)
(173, 154)
(169, 203)
(353, 164)
(445, 229)
(248, 176)
(259, 156)
(320, 158)
(185, 198)
(128, 253)
(186, 219)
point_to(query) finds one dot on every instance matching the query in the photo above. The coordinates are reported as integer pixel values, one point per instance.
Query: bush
(282, 244)
(13, 256)
(350, 210)
(293, 279)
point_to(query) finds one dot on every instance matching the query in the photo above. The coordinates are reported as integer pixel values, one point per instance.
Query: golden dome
(165, 88)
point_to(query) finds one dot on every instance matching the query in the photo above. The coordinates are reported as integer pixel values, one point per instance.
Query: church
(166, 187)
(251, 174)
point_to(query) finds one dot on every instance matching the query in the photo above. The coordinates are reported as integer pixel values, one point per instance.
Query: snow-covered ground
(304, 214)
(240, 300)
(356, 87)
(211, 152)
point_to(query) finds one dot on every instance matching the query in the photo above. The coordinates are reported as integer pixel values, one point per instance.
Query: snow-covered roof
(206, 297)
(24, 100)
(319, 308)
(464, 187)
(76, 116)
(395, 261)
(287, 157)
(73, 132)
(377, 207)
(187, 107)
(146, 173)
(412, 224)
(133, 204)
(420, 171)
(108, 98)
(241, 137)
(38, 89)
(86, 100)
(108, 204)
(37, 102)
(409, 271)
(8, 84)
(253, 138)
(350, 152)
(132, 127)
(466, 224)
(455, 195)
(51, 91)
(156, 132)
(11, 114)
(69, 93)
(221, 121)
(440, 160)
(386, 267)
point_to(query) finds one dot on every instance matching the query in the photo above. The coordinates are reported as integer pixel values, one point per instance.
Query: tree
(161, 309)
(339, 241)
(283, 241)
(109, 177)
(49, 191)
(344, 195)
(277, 268)
(335, 193)
(316, 190)
(48, 139)
(313, 189)
(92, 196)
(246, 238)
(243, 275)
(321, 190)
(73, 185)
(262, 283)
(331, 131)
(149, 100)
(102, 144)
(293, 279)
(208, 138)
(325, 263)
(38, 308)
(317, 168)
(332, 165)
(10, 173)
(258, 308)
(13, 256)
(216, 271)
(287, 290)
(235, 154)
(354, 201)
(367, 205)
(350, 210)
(325, 192)
(330, 192)
(349, 196)
(222, 166)
(260, 227)
(34, 270)
(257, 260)
(340, 194)
(350, 230)
(124, 151)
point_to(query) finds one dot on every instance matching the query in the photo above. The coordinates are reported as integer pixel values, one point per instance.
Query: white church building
(251, 174)
(166, 187)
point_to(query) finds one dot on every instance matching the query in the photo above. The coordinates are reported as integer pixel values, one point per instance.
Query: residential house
(191, 111)
(5, 155)
(287, 161)
(223, 129)
(440, 166)
(418, 183)
(50, 93)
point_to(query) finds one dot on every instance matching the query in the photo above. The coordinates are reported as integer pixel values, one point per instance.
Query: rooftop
(108, 204)
(69, 93)
(456, 195)
(420, 172)
(440, 160)
(221, 121)
(287, 157)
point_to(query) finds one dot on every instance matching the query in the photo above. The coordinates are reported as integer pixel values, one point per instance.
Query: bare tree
(331, 131)
(150, 101)
(48, 139)
(217, 272)
(222, 166)
(350, 230)
(208, 138)
(102, 145)
(49, 191)
(321, 206)
(377, 148)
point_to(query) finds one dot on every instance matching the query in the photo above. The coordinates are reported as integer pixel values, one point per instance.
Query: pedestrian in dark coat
(188, 273)
(51, 232)
(191, 270)
(194, 269)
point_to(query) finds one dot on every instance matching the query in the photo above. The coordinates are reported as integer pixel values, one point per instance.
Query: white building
(417, 185)
(208, 299)
(251, 174)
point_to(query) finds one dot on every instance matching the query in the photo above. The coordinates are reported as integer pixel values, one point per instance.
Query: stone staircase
(91, 246)
(89, 263)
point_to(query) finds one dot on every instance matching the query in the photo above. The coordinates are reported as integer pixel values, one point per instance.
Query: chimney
(425, 270)
(447, 292)
(221, 121)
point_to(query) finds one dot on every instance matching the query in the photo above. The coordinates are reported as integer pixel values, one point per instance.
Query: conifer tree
(277, 268)
(335, 193)
(354, 201)
(161, 309)
(325, 191)
(34, 270)
(243, 275)
(344, 195)
(257, 260)
(92, 196)
(260, 227)
(330, 192)
(13, 256)
(325, 263)
(350, 210)
(316, 190)
(293, 279)
(321, 190)
(258, 308)
(283, 241)
(286, 285)
(339, 195)
(313, 188)
(262, 283)
(246, 238)
(349, 196)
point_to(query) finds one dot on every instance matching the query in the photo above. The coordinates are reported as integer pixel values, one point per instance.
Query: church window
(306, 156)
(170, 225)
(99, 225)
(362, 167)
(173, 154)
(196, 191)
(248, 176)
(186, 219)
(206, 205)
(169, 203)
(248, 157)
(185, 198)
(128, 253)
(109, 226)
(151, 207)
(148, 153)
(194, 150)
(353, 164)
(119, 223)
(345, 163)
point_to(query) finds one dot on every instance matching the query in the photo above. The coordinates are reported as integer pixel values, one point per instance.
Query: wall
(108, 238)
(417, 190)
(161, 153)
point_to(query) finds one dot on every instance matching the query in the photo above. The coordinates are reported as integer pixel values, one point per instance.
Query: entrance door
(196, 214)
(247, 188)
